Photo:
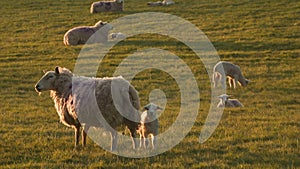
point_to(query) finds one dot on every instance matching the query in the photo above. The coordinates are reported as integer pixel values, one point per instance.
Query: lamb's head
(224, 98)
(151, 109)
(246, 82)
(53, 79)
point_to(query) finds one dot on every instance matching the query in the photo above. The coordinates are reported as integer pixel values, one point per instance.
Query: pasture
(261, 36)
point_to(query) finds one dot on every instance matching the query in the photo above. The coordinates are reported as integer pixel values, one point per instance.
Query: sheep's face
(223, 98)
(53, 79)
(46, 82)
(151, 110)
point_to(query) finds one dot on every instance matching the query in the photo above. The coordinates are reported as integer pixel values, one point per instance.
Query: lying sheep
(230, 70)
(117, 36)
(80, 98)
(107, 6)
(226, 102)
(81, 35)
(161, 3)
(149, 125)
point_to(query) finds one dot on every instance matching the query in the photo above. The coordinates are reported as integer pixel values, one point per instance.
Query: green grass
(260, 36)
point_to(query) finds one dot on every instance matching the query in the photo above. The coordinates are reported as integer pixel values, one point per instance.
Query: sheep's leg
(134, 138)
(84, 134)
(223, 81)
(216, 79)
(77, 133)
(230, 82)
(153, 141)
(114, 140)
(146, 142)
(141, 140)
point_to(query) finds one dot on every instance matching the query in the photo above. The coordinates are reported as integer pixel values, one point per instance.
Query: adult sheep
(107, 6)
(81, 35)
(82, 102)
(230, 70)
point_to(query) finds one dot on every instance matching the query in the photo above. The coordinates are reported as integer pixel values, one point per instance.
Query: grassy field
(261, 36)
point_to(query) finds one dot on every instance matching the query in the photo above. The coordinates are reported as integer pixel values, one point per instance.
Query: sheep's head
(151, 110)
(224, 98)
(246, 81)
(48, 81)
(106, 25)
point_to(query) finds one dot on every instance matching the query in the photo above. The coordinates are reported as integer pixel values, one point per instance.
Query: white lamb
(107, 6)
(161, 3)
(232, 71)
(117, 36)
(149, 125)
(81, 35)
(226, 102)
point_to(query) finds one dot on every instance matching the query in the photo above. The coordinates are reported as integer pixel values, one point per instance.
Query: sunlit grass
(260, 36)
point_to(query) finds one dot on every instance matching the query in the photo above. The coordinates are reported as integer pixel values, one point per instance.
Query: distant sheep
(161, 3)
(107, 6)
(230, 70)
(117, 36)
(149, 125)
(80, 98)
(81, 35)
(226, 102)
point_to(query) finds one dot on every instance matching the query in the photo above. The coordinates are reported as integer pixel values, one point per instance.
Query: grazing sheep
(161, 3)
(117, 36)
(230, 70)
(81, 35)
(149, 125)
(107, 6)
(81, 98)
(226, 102)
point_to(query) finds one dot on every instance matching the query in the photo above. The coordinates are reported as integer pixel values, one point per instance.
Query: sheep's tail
(134, 97)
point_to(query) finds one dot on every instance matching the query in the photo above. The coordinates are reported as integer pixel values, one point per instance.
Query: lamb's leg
(230, 82)
(77, 133)
(153, 141)
(235, 80)
(84, 134)
(216, 79)
(223, 81)
(114, 140)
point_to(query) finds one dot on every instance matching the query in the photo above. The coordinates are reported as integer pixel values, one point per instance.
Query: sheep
(226, 102)
(75, 100)
(232, 71)
(117, 36)
(107, 6)
(161, 3)
(149, 125)
(81, 35)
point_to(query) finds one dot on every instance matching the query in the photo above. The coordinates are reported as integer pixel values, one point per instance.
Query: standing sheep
(232, 71)
(86, 99)
(81, 35)
(149, 125)
(107, 6)
(226, 102)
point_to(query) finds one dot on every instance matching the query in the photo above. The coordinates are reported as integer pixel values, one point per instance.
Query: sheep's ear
(159, 108)
(146, 107)
(57, 69)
